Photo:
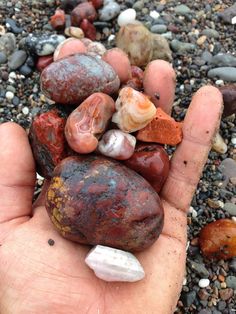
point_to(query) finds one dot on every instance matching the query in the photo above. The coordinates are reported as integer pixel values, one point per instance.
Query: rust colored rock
(69, 47)
(69, 5)
(136, 80)
(47, 140)
(58, 20)
(97, 3)
(162, 129)
(86, 124)
(88, 29)
(218, 239)
(73, 79)
(152, 162)
(229, 99)
(43, 62)
(82, 11)
(95, 200)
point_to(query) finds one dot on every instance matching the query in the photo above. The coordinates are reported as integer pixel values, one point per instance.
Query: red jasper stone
(217, 240)
(47, 140)
(58, 20)
(94, 200)
(152, 162)
(229, 99)
(88, 29)
(43, 62)
(84, 10)
(97, 3)
(136, 81)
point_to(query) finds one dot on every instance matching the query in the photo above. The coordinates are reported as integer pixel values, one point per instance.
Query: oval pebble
(17, 59)
(204, 282)
(224, 73)
(126, 17)
(109, 11)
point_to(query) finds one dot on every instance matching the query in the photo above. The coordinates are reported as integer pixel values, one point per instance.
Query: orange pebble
(69, 47)
(218, 239)
(58, 20)
(162, 129)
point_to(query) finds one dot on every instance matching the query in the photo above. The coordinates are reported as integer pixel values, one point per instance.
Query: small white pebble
(181, 88)
(11, 81)
(12, 75)
(219, 82)
(126, 17)
(111, 37)
(233, 21)
(192, 81)
(39, 177)
(233, 140)
(25, 110)
(184, 281)
(193, 212)
(221, 204)
(203, 283)
(154, 14)
(9, 95)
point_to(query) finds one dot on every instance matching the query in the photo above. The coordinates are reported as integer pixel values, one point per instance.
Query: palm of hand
(38, 278)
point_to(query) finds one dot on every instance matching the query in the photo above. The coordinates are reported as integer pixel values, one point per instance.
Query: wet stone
(7, 43)
(188, 298)
(199, 269)
(12, 26)
(228, 169)
(181, 47)
(226, 294)
(109, 11)
(3, 58)
(230, 208)
(159, 29)
(210, 33)
(224, 73)
(43, 45)
(228, 14)
(17, 59)
(224, 60)
(182, 9)
(25, 70)
(231, 282)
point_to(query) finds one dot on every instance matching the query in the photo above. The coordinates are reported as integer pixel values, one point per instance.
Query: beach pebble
(17, 59)
(119, 61)
(219, 145)
(11, 25)
(88, 28)
(160, 48)
(182, 9)
(224, 73)
(7, 43)
(25, 70)
(43, 45)
(204, 282)
(229, 98)
(229, 14)
(224, 60)
(211, 33)
(96, 48)
(228, 169)
(158, 28)
(59, 81)
(230, 208)
(73, 31)
(181, 47)
(58, 20)
(43, 62)
(69, 47)
(3, 58)
(126, 17)
(84, 10)
(9, 95)
(109, 11)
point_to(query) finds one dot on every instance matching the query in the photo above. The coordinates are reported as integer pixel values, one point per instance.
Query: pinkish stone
(69, 47)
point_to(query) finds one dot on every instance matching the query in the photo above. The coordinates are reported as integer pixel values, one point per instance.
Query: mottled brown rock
(95, 200)
(229, 99)
(88, 29)
(218, 239)
(152, 162)
(47, 139)
(82, 11)
(72, 79)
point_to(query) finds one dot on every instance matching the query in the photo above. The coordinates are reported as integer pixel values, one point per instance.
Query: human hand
(38, 278)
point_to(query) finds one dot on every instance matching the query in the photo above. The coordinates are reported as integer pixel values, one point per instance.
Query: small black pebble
(51, 242)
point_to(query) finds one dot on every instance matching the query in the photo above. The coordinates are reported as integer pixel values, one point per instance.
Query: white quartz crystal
(111, 264)
(126, 17)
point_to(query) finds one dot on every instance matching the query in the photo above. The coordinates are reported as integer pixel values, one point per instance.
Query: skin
(38, 278)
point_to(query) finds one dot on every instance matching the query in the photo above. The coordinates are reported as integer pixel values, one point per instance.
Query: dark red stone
(136, 81)
(229, 99)
(95, 200)
(152, 162)
(97, 3)
(69, 5)
(48, 141)
(58, 20)
(84, 10)
(88, 29)
(43, 62)
(72, 79)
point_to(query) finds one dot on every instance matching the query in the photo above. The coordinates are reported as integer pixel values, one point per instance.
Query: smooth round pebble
(17, 59)
(109, 11)
(126, 17)
(3, 58)
(25, 110)
(9, 95)
(203, 283)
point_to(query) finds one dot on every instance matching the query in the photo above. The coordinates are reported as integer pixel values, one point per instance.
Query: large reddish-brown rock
(74, 78)
(43, 62)
(152, 162)
(82, 11)
(218, 239)
(95, 200)
(47, 139)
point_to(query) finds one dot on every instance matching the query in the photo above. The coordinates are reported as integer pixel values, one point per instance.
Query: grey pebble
(230, 208)
(231, 282)
(3, 58)
(11, 88)
(228, 14)
(109, 11)
(206, 56)
(232, 265)
(17, 59)
(198, 268)
(158, 28)
(11, 24)
(210, 33)
(42, 45)
(228, 169)
(25, 70)
(181, 47)
(15, 101)
(138, 5)
(223, 73)
(224, 60)
(182, 9)
(7, 43)
(188, 297)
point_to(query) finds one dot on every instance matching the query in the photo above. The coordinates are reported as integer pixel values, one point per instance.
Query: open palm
(38, 278)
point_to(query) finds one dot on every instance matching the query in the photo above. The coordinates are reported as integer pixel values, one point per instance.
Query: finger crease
(194, 140)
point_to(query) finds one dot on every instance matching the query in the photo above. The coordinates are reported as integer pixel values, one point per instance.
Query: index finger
(200, 126)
